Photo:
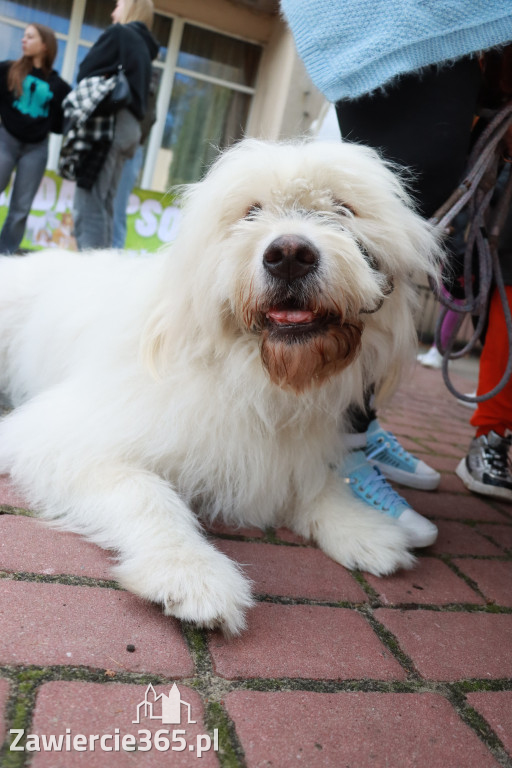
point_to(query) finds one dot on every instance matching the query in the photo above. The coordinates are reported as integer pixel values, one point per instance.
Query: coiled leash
(476, 191)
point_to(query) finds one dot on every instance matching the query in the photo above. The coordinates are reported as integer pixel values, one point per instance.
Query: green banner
(152, 217)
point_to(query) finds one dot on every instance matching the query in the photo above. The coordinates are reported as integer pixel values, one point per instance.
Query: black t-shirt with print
(38, 111)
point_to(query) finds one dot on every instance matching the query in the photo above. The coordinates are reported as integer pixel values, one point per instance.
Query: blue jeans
(30, 163)
(93, 209)
(129, 175)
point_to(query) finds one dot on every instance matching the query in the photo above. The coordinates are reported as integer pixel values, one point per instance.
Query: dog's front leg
(164, 556)
(351, 532)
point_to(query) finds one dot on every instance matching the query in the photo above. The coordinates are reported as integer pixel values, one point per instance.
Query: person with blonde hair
(128, 45)
(31, 96)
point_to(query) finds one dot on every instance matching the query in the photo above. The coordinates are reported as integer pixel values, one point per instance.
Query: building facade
(225, 69)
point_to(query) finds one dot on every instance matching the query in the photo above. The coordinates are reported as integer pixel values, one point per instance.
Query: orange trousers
(496, 413)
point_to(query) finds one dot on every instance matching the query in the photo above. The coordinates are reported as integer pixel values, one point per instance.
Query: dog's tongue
(290, 316)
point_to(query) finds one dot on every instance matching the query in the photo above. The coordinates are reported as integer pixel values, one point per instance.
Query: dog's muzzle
(290, 257)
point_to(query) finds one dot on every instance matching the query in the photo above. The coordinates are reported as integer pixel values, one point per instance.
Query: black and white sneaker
(487, 469)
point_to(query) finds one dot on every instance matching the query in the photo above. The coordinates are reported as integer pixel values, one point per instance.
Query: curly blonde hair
(138, 10)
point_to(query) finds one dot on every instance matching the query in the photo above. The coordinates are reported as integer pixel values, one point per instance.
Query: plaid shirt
(87, 138)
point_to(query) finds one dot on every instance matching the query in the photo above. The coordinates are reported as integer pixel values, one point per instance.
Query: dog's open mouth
(290, 321)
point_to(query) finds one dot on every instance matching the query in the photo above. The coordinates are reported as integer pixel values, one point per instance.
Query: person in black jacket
(31, 95)
(129, 43)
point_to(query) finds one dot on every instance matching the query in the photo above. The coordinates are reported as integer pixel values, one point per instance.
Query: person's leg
(9, 153)
(369, 485)
(93, 209)
(126, 141)
(359, 419)
(432, 358)
(29, 172)
(384, 451)
(374, 455)
(88, 219)
(448, 326)
(422, 121)
(496, 413)
(486, 468)
(129, 175)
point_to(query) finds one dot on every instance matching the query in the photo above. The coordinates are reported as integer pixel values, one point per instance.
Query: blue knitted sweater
(351, 47)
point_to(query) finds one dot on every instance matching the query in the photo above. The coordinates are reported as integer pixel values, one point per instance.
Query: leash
(478, 188)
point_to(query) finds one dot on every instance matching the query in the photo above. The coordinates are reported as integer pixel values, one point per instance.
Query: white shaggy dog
(212, 379)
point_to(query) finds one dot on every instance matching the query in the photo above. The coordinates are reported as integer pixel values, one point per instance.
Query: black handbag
(120, 96)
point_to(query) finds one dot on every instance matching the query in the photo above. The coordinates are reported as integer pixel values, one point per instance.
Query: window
(97, 17)
(29, 11)
(209, 103)
(16, 16)
(202, 118)
(210, 53)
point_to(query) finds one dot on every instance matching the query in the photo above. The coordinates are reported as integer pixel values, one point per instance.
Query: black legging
(423, 121)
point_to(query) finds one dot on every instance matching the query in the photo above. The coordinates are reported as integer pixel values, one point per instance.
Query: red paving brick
(78, 626)
(451, 506)
(493, 577)
(48, 624)
(9, 495)
(284, 534)
(506, 508)
(450, 483)
(460, 539)
(304, 641)
(496, 708)
(428, 442)
(4, 695)
(357, 730)
(218, 527)
(501, 534)
(430, 582)
(441, 463)
(32, 546)
(453, 646)
(293, 571)
(95, 709)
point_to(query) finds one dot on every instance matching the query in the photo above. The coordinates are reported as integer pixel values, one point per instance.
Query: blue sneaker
(385, 452)
(369, 485)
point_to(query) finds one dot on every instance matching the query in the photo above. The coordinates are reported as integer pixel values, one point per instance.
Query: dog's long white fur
(141, 398)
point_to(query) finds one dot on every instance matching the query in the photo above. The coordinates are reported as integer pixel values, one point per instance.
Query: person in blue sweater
(31, 96)
(404, 81)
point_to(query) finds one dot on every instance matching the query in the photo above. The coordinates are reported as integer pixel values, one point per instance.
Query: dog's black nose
(290, 257)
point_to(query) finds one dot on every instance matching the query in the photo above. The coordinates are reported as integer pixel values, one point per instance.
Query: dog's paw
(380, 548)
(207, 589)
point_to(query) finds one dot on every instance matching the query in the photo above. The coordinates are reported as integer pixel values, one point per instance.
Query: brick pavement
(336, 668)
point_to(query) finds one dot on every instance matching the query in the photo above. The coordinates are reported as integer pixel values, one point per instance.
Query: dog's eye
(344, 208)
(252, 211)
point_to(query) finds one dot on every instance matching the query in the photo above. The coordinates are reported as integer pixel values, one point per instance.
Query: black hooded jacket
(131, 45)
(38, 110)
